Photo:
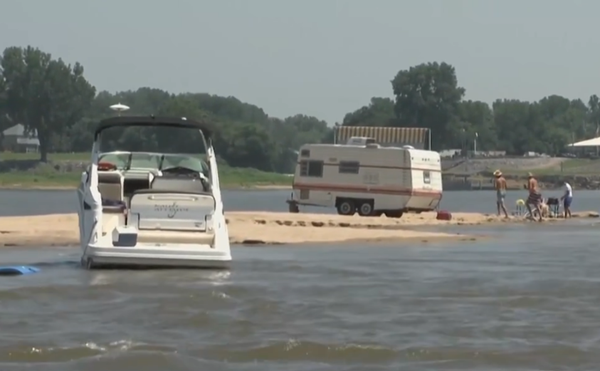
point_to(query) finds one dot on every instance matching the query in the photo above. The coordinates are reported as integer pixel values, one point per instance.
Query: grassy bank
(45, 176)
(230, 178)
(520, 167)
(11, 156)
(570, 167)
(235, 177)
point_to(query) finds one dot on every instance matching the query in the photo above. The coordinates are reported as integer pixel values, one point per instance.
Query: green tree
(379, 112)
(44, 94)
(476, 121)
(428, 96)
(54, 99)
(594, 113)
(563, 121)
(5, 119)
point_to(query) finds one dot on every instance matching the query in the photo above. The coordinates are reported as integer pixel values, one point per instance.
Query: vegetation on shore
(551, 173)
(55, 100)
(566, 167)
(48, 178)
(569, 167)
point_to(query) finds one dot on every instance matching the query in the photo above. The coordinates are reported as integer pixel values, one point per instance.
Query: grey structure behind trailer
(419, 138)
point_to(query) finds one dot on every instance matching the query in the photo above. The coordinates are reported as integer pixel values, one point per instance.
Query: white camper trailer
(365, 177)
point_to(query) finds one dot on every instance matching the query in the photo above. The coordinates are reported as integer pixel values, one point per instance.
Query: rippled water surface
(526, 298)
(531, 305)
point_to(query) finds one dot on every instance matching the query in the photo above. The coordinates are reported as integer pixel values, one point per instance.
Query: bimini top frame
(180, 122)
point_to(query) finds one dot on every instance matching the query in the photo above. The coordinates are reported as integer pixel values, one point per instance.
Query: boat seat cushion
(113, 207)
(110, 185)
(178, 184)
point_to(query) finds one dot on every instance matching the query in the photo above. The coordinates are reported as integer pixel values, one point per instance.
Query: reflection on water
(112, 277)
(526, 299)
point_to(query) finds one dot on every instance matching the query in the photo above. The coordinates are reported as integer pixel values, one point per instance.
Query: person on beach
(500, 185)
(534, 198)
(567, 198)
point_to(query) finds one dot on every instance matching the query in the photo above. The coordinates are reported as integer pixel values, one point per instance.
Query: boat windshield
(153, 147)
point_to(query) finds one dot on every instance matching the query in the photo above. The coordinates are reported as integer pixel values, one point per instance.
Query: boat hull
(148, 256)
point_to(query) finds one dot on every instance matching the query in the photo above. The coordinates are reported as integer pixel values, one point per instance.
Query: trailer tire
(394, 214)
(346, 207)
(366, 208)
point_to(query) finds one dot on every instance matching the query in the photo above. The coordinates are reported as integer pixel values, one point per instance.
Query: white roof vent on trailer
(408, 147)
(360, 141)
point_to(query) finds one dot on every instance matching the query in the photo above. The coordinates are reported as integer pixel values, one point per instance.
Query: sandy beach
(270, 228)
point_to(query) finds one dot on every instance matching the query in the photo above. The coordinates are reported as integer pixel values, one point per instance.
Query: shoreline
(272, 228)
(22, 187)
(257, 187)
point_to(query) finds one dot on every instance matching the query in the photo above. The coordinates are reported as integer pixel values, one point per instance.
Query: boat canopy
(180, 122)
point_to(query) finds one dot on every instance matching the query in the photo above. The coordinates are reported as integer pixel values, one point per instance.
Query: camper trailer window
(315, 169)
(426, 177)
(311, 168)
(305, 153)
(349, 167)
(304, 168)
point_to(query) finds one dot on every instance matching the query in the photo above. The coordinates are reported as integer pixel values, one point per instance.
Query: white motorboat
(153, 207)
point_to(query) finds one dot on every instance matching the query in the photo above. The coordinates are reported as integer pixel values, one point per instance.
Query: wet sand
(270, 228)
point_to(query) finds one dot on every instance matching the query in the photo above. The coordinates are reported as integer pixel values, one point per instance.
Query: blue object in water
(18, 270)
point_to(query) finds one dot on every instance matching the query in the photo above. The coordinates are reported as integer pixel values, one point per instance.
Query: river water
(526, 298)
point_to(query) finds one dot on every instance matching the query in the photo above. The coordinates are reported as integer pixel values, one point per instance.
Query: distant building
(17, 139)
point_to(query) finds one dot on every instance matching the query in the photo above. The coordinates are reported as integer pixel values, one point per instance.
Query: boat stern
(165, 229)
(145, 255)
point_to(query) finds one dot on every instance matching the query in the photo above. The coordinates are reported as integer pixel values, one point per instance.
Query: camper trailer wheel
(366, 209)
(346, 207)
(394, 214)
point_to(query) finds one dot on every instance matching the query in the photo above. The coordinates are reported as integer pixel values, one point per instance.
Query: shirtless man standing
(534, 198)
(500, 185)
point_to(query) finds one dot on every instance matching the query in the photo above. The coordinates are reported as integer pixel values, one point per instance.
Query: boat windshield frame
(204, 128)
(161, 164)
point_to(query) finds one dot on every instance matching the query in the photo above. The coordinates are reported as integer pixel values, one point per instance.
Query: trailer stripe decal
(379, 166)
(369, 189)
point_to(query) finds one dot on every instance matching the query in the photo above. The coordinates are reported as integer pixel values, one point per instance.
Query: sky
(321, 58)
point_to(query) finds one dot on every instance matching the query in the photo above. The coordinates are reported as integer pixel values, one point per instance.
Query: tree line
(429, 96)
(55, 99)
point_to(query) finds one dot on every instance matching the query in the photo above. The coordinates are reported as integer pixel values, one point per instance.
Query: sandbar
(269, 228)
